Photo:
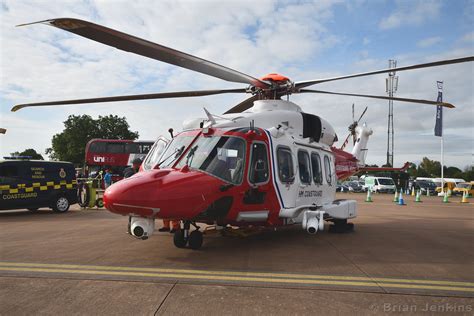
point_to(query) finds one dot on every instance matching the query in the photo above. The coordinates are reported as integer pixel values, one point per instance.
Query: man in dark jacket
(130, 171)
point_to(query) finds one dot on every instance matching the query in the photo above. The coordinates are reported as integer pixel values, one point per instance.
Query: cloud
(297, 39)
(469, 37)
(409, 13)
(430, 41)
(41, 63)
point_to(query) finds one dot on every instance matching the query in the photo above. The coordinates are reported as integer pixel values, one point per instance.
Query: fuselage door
(287, 186)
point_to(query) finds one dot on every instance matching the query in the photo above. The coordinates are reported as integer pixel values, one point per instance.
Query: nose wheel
(183, 237)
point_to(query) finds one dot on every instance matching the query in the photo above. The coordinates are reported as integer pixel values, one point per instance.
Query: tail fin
(360, 148)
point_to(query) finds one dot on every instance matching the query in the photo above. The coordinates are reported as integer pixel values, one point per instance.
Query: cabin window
(303, 167)
(316, 166)
(285, 165)
(98, 147)
(8, 171)
(132, 148)
(328, 169)
(115, 148)
(259, 164)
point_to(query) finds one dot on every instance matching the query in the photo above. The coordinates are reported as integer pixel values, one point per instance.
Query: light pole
(391, 86)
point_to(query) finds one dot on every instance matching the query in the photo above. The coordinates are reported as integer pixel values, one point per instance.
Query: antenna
(252, 125)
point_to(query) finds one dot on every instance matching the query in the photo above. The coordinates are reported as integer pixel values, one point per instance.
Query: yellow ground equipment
(467, 187)
(90, 193)
(464, 197)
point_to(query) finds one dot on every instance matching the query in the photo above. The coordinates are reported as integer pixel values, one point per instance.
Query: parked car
(342, 188)
(464, 187)
(355, 186)
(380, 184)
(449, 184)
(31, 184)
(424, 186)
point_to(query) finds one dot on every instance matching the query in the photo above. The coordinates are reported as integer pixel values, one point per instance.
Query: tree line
(70, 144)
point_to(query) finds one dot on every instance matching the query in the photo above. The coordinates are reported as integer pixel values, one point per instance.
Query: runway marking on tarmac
(240, 276)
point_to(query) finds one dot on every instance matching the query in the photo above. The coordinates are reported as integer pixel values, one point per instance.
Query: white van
(380, 184)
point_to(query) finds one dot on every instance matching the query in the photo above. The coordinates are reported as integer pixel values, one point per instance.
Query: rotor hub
(277, 78)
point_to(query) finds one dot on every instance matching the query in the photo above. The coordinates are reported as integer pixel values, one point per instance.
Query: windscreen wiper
(189, 157)
(177, 152)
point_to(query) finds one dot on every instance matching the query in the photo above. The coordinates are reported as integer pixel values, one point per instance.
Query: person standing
(166, 226)
(108, 178)
(130, 171)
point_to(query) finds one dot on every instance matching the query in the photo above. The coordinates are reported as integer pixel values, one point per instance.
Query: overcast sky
(302, 40)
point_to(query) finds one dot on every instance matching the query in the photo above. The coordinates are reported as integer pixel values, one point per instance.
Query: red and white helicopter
(264, 162)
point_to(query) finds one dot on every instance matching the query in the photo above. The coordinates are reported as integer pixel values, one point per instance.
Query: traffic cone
(445, 198)
(412, 191)
(428, 192)
(369, 196)
(400, 199)
(449, 192)
(418, 197)
(395, 197)
(464, 197)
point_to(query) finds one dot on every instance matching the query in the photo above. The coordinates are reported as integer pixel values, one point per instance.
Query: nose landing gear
(182, 237)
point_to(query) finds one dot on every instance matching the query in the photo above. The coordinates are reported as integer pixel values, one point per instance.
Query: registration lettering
(310, 193)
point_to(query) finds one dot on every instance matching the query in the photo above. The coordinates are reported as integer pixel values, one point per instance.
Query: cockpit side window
(285, 165)
(259, 164)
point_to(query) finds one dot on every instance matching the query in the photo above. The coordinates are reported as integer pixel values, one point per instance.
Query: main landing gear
(183, 237)
(341, 226)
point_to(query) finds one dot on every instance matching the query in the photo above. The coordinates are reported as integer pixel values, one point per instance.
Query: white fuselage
(287, 127)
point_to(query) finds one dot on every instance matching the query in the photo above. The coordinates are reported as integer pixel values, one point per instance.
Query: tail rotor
(352, 127)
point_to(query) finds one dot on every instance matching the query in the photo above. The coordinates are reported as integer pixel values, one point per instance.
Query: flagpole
(440, 90)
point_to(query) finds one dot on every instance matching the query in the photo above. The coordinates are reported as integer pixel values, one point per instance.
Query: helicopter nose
(167, 194)
(134, 194)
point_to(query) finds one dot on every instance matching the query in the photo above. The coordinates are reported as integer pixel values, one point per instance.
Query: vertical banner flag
(438, 130)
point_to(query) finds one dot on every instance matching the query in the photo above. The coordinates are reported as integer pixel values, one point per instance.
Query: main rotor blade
(152, 50)
(448, 105)
(242, 106)
(303, 84)
(345, 141)
(165, 95)
(360, 117)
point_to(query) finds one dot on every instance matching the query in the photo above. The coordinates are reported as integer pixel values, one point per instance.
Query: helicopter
(262, 163)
